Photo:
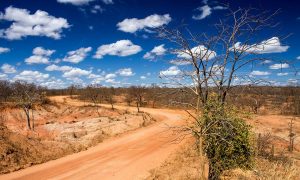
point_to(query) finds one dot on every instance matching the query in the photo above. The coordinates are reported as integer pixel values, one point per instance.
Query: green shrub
(227, 139)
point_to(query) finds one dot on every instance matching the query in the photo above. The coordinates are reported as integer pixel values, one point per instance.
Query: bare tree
(5, 90)
(137, 92)
(26, 95)
(93, 93)
(212, 63)
(110, 96)
(292, 135)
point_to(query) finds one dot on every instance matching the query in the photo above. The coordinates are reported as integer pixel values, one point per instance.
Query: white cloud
(260, 73)
(31, 76)
(279, 66)
(298, 57)
(143, 77)
(125, 72)
(37, 60)
(3, 76)
(282, 74)
(96, 9)
(266, 62)
(8, 69)
(219, 8)
(54, 84)
(40, 51)
(77, 55)
(171, 71)
(156, 51)
(76, 2)
(119, 48)
(4, 50)
(110, 76)
(76, 72)
(40, 56)
(108, 1)
(54, 67)
(271, 45)
(200, 52)
(292, 81)
(180, 62)
(206, 10)
(25, 24)
(152, 21)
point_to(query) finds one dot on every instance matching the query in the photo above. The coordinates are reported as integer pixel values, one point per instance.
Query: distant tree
(26, 95)
(5, 90)
(94, 94)
(137, 92)
(110, 96)
(72, 90)
(152, 94)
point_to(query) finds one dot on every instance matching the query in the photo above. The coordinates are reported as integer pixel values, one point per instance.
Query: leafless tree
(292, 135)
(137, 92)
(93, 93)
(110, 93)
(213, 63)
(5, 90)
(26, 95)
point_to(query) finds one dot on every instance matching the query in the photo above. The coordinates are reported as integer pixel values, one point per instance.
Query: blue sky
(56, 43)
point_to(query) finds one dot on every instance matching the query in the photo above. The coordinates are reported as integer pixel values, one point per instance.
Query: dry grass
(185, 165)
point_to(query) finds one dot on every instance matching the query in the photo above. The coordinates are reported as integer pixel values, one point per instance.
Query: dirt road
(128, 156)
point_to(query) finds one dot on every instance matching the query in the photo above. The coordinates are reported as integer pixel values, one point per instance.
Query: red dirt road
(129, 156)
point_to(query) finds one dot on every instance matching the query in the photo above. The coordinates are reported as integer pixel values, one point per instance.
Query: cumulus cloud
(110, 76)
(298, 57)
(4, 50)
(119, 48)
(125, 72)
(77, 55)
(180, 62)
(3, 76)
(282, 74)
(152, 21)
(143, 77)
(156, 51)
(171, 71)
(206, 10)
(279, 66)
(54, 67)
(75, 2)
(8, 69)
(260, 73)
(25, 24)
(40, 56)
(31, 76)
(271, 45)
(54, 83)
(75, 73)
(200, 52)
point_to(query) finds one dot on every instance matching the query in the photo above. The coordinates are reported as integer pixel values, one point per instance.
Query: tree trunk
(213, 174)
(32, 119)
(112, 106)
(202, 160)
(27, 113)
(137, 106)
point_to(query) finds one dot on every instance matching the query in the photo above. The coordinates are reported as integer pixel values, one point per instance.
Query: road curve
(129, 156)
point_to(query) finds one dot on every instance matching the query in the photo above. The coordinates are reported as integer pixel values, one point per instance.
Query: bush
(227, 139)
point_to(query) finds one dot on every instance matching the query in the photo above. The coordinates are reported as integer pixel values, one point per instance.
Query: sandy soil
(129, 156)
